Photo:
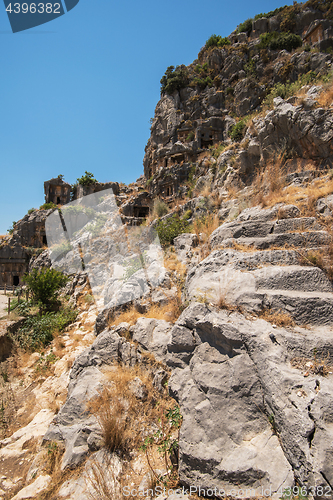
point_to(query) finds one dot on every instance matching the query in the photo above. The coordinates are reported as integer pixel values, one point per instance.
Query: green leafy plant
(202, 83)
(217, 149)
(11, 229)
(160, 208)
(38, 331)
(45, 362)
(246, 26)
(237, 131)
(250, 68)
(170, 421)
(133, 265)
(217, 41)
(174, 79)
(170, 228)
(280, 41)
(96, 227)
(87, 179)
(190, 137)
(48, 206)
(45, 285)
(31, 210)
(289, 89)
(269, 14)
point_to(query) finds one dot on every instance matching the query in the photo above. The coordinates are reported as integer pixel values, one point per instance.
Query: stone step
(298, 224)
(261, 229)
(292, 278)
(314, 308)
(299, 240)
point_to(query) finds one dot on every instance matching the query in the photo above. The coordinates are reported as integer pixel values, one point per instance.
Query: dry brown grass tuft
(312, 366)
(203, 228)
(123, 418)
(222, 303)
(325, 99)
(103, 482)
(278, 318)
(169, 312)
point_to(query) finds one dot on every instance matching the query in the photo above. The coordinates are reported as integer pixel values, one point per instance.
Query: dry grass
(222, 303)
(241, 247)
(203, 228)
(325, 98)
(269, 190)
(123, 418)
(312, 366)
(168, 312)
(103, 483)
(278, 318)
(205, 191)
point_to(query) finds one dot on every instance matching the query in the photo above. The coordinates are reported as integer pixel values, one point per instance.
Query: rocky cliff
(205, 363)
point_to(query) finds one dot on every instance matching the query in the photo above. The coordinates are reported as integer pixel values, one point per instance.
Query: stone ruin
(167, 167)
(57, 191)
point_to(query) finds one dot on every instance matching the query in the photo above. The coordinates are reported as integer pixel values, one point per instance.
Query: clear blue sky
(77, 93)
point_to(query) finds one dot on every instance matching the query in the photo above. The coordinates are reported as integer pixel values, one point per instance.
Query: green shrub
(160, 208)
(289, 89)
(190, 137)
(217, 41)
(271, 13)
(11, 229)
(169, 229)
(280, 41)
(217, 149)
(87, 179)
(202, 83)
(174, 79)
(96, 227)
(37, 331)
(48, 206)
(245, 26)
(250, 68)
(45, 285)
(31, 210)
(237, 131)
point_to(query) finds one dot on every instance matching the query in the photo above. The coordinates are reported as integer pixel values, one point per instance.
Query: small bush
(48, 206)
(288, 89)
(38, 331)
(160, 208)
(237, 132)
(202, 83)
(246, 26)
(217, 41)
(11, 229)
(269, 14)
(280, 41)
(169, 229)
(45, 285)
(31, 210)
(87, 179)
(174, 79)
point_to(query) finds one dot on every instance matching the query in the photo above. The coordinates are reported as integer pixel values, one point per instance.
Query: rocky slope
(231, 322)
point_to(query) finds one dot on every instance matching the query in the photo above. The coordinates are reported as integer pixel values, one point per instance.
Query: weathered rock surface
(258, 263)
(237, 387)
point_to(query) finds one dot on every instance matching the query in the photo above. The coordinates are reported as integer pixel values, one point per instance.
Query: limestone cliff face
(198, 108)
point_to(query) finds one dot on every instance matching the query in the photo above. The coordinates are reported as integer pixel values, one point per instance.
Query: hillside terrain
(190, 345)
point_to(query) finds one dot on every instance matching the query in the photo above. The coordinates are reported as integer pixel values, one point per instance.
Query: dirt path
(3, 304)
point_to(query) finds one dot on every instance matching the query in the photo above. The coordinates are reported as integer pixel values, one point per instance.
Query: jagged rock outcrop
(307, 133)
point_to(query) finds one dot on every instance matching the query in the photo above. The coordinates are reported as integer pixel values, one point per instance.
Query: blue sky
(78, 93)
